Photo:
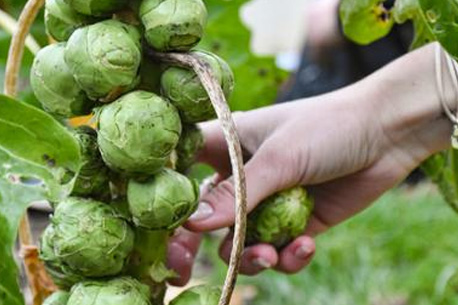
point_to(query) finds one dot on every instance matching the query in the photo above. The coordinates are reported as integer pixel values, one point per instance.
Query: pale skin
(347, 147)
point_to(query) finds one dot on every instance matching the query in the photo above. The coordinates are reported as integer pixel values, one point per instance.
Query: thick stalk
(221, 107)
(148, 261)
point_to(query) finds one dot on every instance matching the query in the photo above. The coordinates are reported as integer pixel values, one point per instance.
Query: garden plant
(120, 183)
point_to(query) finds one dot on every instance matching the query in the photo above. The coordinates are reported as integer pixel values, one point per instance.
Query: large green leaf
(38, 159)
(257, 78)
(365, 21)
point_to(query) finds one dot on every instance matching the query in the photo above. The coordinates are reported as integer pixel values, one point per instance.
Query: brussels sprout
(199, 295)
(54, 85)
(57, 298)
(280, 218)
(118, 291)
(138, 132)
(62, 276)
(184, 89)
(191, 142)
(62, 20)
(163, 202)
(93, 178)
(172, 25)
(105, 58)
(91, 238)
(97, 7)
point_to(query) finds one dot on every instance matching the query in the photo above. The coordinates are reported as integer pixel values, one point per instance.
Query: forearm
(405, 101)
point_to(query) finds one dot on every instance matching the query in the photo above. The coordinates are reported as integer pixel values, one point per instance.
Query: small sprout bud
(163, 202)
(138, 133)
(93, 178)
(62, 276)
(90, 238)
(118, 291)
(172, 25)
(54, 85)
(62, 20)
(57, 298)
(184, 89)
(105, 58)
(97, 7)
(199, 295)
(191, 142)
(280, 218)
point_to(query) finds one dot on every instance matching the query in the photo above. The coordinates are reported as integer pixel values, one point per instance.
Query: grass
(402, 250)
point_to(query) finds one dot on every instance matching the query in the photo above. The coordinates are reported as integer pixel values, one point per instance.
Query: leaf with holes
(38, 160)
(365, 21)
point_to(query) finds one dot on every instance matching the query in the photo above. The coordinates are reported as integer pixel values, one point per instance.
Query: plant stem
(148, 261)
(216, 94)
(13, 65)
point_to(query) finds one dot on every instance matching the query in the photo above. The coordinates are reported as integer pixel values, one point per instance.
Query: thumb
(268, 172)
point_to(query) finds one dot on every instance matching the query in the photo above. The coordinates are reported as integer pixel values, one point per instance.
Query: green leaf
(365, 21)
(38, 159)
(404, 10)
(441, 18)
(442, 169)
(410, 10)
(257, 78)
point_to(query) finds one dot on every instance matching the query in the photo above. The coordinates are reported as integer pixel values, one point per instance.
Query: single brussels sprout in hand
(54, 85)
(280, 218)
(137, 133)
(105, 58)
(184, 89)
(62, 20)
(118, 291)
(57, 298)
(163, 202)
(191, 142)
(62, 276)
(91, 238)
(97, 7)
(172, 25)
(199, 295)
(93, 178)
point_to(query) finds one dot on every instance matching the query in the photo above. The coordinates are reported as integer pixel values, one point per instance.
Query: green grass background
(402, 250)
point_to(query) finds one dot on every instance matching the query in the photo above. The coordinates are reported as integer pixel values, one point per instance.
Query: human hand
(347, 148)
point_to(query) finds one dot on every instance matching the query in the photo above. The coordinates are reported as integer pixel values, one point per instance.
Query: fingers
(182, 250)
(266, 173)
(296, 255)
(292, 259)
(254, 260)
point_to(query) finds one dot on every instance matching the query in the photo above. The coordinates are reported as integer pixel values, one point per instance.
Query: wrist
(406, 104)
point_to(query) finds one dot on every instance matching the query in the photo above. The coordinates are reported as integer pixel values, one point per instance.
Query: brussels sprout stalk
(148, 261)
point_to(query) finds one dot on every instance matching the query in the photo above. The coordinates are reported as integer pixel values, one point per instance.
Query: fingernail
(204, 211)
(205, 185)
(260, 262)
(303, 252)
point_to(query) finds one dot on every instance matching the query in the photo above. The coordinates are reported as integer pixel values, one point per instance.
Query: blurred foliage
(403, 250)
(257, 78)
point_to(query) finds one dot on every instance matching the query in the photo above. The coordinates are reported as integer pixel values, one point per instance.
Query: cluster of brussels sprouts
(107, 242)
